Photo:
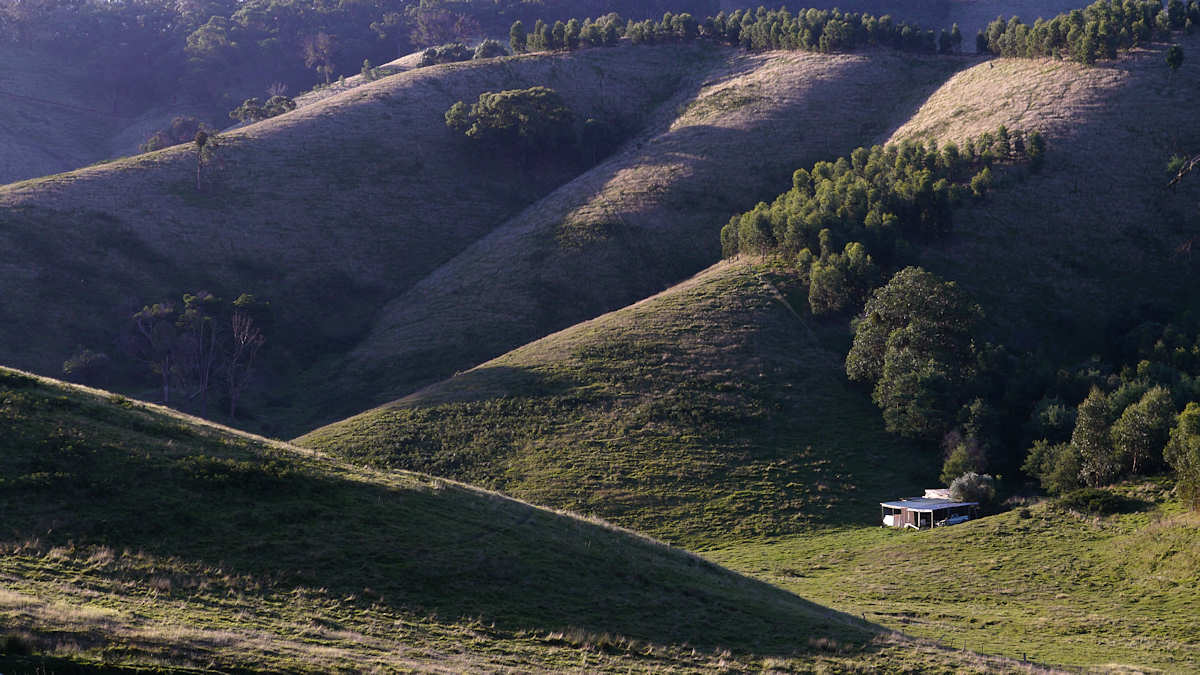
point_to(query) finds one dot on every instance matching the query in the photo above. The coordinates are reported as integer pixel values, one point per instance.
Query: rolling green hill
(137, 537)
(393, 257)
(679, 416)
(706, 413)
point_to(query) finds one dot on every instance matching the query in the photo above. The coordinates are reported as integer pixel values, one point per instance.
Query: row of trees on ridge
(762, 29)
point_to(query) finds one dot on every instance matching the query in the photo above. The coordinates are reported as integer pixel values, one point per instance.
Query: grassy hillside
(641, 221)
(135, 536)
(1112, 594)
(328, 211)
(706, 413)
(1094, 239)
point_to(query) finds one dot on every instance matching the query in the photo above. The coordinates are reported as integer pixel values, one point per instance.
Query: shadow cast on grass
(84, 474)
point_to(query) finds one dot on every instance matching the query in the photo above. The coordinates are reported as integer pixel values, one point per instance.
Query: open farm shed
(923, 513)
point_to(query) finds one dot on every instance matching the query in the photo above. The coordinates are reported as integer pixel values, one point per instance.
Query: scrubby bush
(448, 53)
(489, 49)
(974, 487)
(251, 110)
(181, 130)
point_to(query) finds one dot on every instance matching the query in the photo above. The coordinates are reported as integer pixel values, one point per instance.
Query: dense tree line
(919, 342)
(1097, 32)
(762, 29)
(842, 219)
(150, 50)
(843, 225)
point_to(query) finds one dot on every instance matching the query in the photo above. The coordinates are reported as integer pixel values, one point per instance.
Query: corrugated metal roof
(921, 504)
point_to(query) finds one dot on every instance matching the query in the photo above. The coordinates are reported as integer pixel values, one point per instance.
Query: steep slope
(135, 536)
(1095, 243)
(1113, 594)
(328, 211)
(642, 220)
(706, 413)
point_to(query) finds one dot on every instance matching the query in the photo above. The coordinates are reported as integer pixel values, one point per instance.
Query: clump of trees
(454, 52)
(1096, 32)
(196, 349)
(182, 130)
(448, 53)
(530, 123)
(252, 110)
(1127, 424)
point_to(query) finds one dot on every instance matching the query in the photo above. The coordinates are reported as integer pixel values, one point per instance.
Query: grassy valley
(137, 537)
(707, 413)
(551, 417)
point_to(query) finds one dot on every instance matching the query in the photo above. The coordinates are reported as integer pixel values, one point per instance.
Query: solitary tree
(318, 54)
(517, 37)
(1174, 57)
(1091, 438)
(1142, 431)
(156, 342)
(199, 343)
(915, 344)
(246, 339)
(201, 141)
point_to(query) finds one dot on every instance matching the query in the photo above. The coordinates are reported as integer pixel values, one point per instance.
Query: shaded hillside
(52, 121)
(1113, 594)
(706, 413)
(639, 222)
(1091, 246)
(136, 536)
(327, 212)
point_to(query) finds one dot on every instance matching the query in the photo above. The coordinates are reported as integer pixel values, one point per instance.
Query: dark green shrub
(1093, 502)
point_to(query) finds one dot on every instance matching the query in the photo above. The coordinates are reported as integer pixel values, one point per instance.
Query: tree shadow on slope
(82, 472)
